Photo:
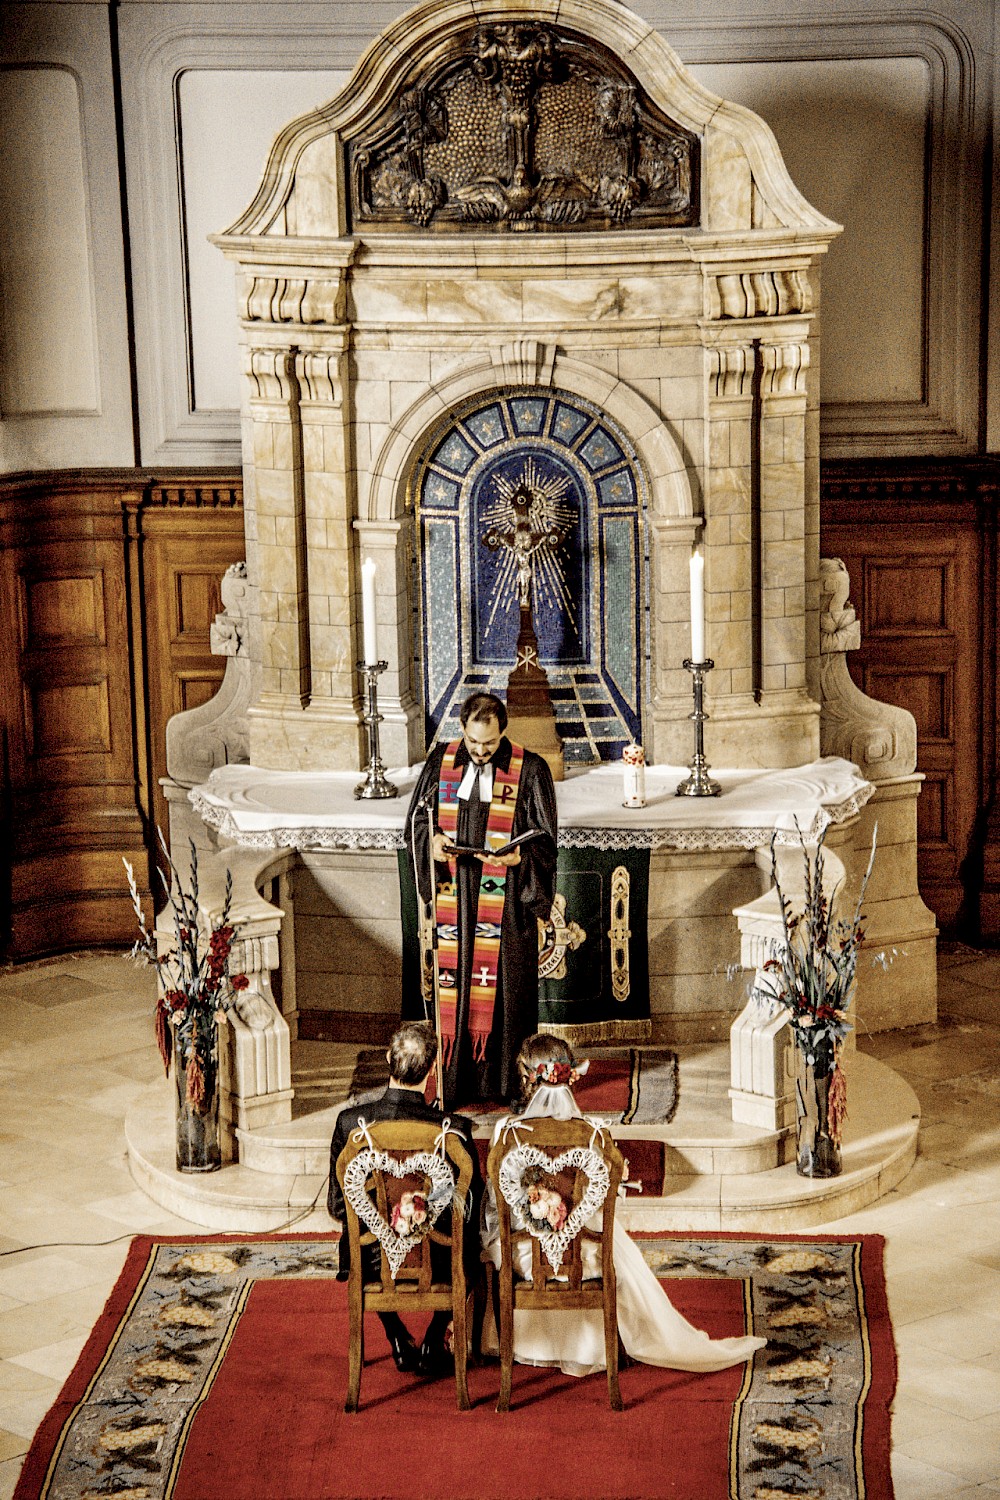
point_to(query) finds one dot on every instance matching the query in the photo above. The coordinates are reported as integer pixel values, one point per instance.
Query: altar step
(718, 1175)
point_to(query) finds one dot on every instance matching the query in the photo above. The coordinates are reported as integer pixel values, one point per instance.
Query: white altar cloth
(317, 810)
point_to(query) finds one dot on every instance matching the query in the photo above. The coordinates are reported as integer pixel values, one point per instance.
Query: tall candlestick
(697, 605)
(368, 611)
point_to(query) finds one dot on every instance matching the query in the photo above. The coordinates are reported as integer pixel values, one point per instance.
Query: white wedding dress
(652, 1330)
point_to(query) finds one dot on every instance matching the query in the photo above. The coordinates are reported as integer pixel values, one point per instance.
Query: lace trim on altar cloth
(390, 839)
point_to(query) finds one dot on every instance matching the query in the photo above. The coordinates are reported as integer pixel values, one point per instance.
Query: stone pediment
(523, 126)
(501, 115)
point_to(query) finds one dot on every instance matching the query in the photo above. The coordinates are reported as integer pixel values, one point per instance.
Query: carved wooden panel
(916, 598)
(915, 558)
(67, 691)
(927, 696)
(72, 718)
(85, 691)
(68, 609)
(186, 550)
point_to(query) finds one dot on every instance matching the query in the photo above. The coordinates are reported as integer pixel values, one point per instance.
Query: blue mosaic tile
(600, 449)
(617, 488)
(600, 711)
(455, 454)
(579, 753)
(568, 423)
(528, 414)
(487, 427)
(439, 492)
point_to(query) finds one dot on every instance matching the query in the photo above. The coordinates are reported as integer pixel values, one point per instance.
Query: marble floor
(76, 1047)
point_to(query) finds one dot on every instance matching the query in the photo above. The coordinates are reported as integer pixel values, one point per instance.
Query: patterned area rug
(218, 1372)
(624, 1085)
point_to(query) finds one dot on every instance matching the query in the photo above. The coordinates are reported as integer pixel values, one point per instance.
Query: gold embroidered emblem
(555, 937)
(619, 933)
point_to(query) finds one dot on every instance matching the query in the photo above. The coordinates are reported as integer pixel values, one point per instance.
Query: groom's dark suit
(403, 1104)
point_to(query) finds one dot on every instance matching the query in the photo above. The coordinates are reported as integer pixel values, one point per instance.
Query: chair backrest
(415, 1188)
(550, 1179)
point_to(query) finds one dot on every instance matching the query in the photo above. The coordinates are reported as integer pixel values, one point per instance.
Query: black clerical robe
(530, 889)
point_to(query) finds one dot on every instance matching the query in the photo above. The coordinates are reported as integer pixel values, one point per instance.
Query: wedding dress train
(651, 1329)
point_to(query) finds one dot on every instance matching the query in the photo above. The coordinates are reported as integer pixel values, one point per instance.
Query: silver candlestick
(699, 783)
(374, 784)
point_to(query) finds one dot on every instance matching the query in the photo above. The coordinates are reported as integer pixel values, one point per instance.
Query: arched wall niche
(666, 526)
(697, 339)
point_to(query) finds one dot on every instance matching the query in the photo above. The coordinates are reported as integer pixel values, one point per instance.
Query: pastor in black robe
(530, 889)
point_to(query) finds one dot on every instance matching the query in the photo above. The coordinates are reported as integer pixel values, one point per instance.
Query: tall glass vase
(817, 1153)
(198, 1147)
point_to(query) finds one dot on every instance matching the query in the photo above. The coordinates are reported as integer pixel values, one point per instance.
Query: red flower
(175, 1000)
(195, 1092)
(164, 1037)
(239, 981)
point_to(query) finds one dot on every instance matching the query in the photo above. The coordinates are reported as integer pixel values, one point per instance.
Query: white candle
(368, 611)
(697, 605)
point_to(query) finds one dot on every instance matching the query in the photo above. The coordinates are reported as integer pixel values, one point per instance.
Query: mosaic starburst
(550, 516)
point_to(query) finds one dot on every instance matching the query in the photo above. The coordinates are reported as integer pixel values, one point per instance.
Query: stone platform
(719, 1174)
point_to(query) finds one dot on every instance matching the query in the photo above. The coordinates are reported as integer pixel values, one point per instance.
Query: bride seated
(651, 1329)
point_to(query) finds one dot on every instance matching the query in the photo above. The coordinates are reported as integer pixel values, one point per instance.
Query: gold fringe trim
(590, 1033)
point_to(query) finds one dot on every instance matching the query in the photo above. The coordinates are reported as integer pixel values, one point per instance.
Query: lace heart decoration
(516, 1195)
(398, 1241)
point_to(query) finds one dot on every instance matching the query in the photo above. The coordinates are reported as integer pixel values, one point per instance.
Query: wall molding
(946, 418)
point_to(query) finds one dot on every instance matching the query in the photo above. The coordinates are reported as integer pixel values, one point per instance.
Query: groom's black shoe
(435, 1359)
(406, 1356)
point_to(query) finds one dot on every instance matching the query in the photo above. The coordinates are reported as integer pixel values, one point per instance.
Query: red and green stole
(489, 912)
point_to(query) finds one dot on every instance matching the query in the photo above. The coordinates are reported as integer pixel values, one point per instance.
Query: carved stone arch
(664, 469)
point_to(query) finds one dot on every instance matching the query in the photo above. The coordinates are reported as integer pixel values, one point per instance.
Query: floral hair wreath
(558, 1074)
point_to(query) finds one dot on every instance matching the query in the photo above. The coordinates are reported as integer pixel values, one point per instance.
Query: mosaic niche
(558, 459)
(521, 126)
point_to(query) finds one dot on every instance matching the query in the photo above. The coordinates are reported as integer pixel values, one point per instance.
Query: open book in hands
(508, 848)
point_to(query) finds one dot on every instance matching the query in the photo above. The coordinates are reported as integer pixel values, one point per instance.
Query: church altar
(626, 334)
(264, 809)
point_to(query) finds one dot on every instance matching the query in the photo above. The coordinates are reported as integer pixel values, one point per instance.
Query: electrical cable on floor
(132, 1234)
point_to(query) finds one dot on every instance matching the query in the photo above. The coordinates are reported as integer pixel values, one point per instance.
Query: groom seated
(411, 1056)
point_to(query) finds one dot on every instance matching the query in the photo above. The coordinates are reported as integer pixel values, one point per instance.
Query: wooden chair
(565, 1289)
(412, 1288)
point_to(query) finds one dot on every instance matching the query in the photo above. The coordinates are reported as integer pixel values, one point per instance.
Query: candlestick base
(699, 783)
(375, 785)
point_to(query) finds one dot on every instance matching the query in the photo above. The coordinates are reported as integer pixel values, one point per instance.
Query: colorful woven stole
(489, 912)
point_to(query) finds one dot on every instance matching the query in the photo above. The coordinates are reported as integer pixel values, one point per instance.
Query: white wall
(883, 116)
(65, 391)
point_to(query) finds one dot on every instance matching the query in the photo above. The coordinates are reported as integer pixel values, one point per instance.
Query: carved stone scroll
(524, 126)
(879, 737)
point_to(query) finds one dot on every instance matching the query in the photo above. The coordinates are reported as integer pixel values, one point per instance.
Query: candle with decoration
(634, 763)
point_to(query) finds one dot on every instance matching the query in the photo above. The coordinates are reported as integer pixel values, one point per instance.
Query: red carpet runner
(218, 1372)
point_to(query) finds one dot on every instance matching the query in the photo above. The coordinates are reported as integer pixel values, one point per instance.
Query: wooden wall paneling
(68, 716)
(109, 581)
(913, 540)
(917, 597)
(188, 534)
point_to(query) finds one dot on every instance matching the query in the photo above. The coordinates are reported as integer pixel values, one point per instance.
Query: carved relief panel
(523, 127)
